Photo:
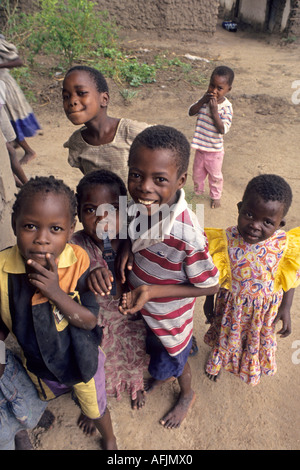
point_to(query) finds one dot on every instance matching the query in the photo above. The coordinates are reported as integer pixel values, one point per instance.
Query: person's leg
(104, 426)
(22, 441)
(92, 401)
(215, 177)
(187, 396)
(29, 152)
(16, 167)
(159, 371)
(199, 173)
(164, 368)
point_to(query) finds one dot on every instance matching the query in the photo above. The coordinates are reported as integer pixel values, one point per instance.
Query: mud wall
(160, 15)
(164, 15)
(294, 19)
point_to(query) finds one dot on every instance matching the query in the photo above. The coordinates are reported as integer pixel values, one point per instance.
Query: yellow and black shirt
(53, 349)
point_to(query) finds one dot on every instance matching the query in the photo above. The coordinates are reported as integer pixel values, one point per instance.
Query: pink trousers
(208, 164)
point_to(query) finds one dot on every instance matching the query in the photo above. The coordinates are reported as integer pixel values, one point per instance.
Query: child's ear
(71, 231)
(282, 223)
(13, 223)
(182, 180)
(104, 99)
(239, 205)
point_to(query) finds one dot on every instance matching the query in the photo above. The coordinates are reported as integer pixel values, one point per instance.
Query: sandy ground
(264, 137)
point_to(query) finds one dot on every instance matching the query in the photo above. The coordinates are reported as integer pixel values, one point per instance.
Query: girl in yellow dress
(259, 266)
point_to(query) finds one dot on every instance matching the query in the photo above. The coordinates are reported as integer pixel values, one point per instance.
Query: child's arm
(133, 301)
(195, 108)
(124, 259)
(284, 313)
(215, 116)
(9, 64)
(100, 281)
(46, 280)
(208, 308)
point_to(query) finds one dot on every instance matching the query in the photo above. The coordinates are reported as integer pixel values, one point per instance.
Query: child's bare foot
(176, 415)
(87, 425)
(22, 441)
(27, 157)
(46, 421)
(139, 402)
(151, 384)
(213, 378)
(215, 203)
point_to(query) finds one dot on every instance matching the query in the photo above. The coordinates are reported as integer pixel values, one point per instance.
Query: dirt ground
(264, 137)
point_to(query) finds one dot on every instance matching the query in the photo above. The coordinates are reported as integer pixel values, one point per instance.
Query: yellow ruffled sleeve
(217, 244)
(288, 273)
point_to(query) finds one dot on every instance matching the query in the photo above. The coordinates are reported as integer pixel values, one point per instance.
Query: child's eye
(161, 179)
(56, 229)
(90, 210)
(30, 226)
(269, 222)
(134, 174)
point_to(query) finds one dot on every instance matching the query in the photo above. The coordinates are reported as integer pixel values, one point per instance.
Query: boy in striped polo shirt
(213, 121)
(172, 265)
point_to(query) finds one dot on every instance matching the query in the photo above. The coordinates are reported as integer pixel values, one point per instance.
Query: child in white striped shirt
(213, 121)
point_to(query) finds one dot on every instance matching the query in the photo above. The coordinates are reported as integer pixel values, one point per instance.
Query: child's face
(258, 219)
(218, 87)
(108, 219)
(153, 178)
(44, 225)
(81, 100)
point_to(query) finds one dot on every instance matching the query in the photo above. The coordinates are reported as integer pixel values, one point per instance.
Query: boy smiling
(171, 269)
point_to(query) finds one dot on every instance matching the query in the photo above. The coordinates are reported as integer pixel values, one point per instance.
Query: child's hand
(207, 97)
(100, 281)
(213, 104)
(285, 316)
(45, 279)
(124, 260)
(133, 301)
(208, 308)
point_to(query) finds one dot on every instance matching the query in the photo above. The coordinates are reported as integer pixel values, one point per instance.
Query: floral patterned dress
(124, 341)
(253, 278)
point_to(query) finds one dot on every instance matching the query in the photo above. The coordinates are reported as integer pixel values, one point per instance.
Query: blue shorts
(163, 366)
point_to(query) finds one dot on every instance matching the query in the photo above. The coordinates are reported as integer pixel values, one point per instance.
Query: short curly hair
(100, 177)
(96, 76)
(224, 71)
(44, 184)
(270, 188)
(163, 137)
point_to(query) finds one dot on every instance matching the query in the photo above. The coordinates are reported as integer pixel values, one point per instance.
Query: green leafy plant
(77, 31)
(68, 28)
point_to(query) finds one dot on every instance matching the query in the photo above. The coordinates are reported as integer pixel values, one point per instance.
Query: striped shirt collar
(160, 230)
